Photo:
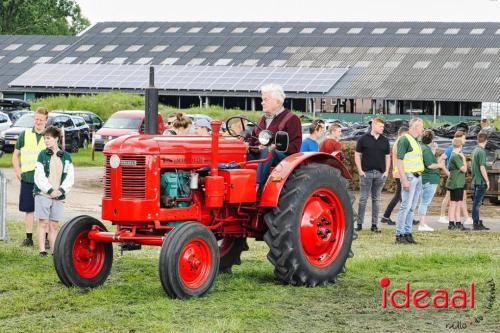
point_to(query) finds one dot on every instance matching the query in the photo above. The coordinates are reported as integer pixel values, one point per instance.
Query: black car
(8, 138)
(94, 121)
(12, 107)
(84, 129)
(9, 104)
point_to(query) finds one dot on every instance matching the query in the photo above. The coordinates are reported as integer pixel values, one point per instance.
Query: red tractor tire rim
(195, 263)
(87, 262)
(322, 227)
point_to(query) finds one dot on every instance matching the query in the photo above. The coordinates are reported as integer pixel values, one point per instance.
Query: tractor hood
(178, 151)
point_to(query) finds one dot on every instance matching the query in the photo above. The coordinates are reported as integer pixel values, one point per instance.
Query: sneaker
(359, 227)
(47, 244)
(451, 226)
(482, 225)
(409, 239)
(43, 253)
(27, 242)
(401, 240)
(375, 229)
(387, 220)
(468, 221)
(424, 228)
(443, 219)
(460, 226)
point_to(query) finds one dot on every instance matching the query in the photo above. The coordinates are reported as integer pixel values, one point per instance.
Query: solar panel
(177, 77)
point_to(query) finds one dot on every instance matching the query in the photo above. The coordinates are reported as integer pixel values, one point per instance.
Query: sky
(292, 10)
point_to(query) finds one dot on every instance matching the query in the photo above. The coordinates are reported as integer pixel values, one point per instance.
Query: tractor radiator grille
(133, 177)
(107, 179)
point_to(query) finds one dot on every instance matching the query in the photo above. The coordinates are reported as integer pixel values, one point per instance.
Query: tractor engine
(163, 180)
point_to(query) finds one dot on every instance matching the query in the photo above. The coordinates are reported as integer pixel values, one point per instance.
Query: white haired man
(410, 163)
(275, 118)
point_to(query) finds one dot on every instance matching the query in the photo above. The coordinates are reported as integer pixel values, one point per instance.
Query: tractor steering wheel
(239, 127)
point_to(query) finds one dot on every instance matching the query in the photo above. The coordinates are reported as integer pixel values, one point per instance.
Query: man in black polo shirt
(372, 158)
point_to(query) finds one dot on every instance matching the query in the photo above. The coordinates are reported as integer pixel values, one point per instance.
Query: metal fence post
(3, 206)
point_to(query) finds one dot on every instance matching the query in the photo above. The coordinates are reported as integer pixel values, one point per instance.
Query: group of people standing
(417, 171)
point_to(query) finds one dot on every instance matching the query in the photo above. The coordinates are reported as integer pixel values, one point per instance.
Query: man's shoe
(409, 239)
(460, 226)
(359, 227)
(483, 227)
(451, 226)
(468, 221)
(443, 219)
(43, 253)
(375, 229)
(387, 220)
(401, 240)
(27, 242)
(415, 222)
(424, 228)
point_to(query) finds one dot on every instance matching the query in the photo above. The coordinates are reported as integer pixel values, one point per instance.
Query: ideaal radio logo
(439, 298)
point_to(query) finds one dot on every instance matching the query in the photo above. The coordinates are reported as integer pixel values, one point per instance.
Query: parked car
(5, 121)
(10, 104)
(16, 114)
(8, 137)
(84, 129)
(123, 123)
(94, 121)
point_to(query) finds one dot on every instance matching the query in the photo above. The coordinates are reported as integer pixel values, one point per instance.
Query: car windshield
(123, 123)
(25, 121)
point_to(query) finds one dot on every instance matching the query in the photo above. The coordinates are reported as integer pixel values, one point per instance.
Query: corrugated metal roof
(382, 63)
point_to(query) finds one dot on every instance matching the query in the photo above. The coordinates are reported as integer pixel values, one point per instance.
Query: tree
(41, 17)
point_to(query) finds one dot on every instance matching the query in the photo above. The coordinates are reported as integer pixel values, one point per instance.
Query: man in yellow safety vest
(28, 146)
(410, 164)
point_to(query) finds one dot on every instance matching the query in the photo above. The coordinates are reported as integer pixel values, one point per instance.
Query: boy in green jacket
(455, 184)
(54, 177)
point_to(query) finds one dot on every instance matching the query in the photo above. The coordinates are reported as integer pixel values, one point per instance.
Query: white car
(4, 121)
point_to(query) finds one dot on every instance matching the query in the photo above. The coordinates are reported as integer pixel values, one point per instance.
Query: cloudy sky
(292, 10)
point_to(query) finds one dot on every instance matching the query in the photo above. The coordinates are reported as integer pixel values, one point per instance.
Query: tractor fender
(278, 177)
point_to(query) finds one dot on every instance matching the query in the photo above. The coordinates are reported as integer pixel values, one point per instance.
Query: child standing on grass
(54, 177)
(455, 184)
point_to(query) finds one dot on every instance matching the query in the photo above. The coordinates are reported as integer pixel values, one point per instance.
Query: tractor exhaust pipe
(151, 105)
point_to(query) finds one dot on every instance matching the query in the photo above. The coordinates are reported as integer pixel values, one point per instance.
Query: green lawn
(251, 300)
(82, 158)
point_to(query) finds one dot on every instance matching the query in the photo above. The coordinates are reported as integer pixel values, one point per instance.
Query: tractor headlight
(265, 137)
(2, 134)
(114, 161)
(98, 136)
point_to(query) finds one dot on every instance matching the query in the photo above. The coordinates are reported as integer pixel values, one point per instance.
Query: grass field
(251, 299)
(82, 158)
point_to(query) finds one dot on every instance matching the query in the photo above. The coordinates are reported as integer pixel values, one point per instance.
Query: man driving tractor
(275, 118)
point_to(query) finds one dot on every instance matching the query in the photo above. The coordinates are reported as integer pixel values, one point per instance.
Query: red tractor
(196, 197)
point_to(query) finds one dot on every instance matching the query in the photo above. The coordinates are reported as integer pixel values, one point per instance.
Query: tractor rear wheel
(311, 230)
(76, 263)
(189, 261)
(230, 249)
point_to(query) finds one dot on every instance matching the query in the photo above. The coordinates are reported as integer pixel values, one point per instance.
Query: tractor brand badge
(128, 163)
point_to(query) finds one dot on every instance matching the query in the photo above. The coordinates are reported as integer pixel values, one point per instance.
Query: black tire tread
(283, 253)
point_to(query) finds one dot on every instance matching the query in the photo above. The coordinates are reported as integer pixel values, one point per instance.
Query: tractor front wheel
(311, 230)
(189, 261)
(77, 261)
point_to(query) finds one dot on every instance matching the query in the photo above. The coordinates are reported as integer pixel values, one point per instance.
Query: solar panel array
(189, 78)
